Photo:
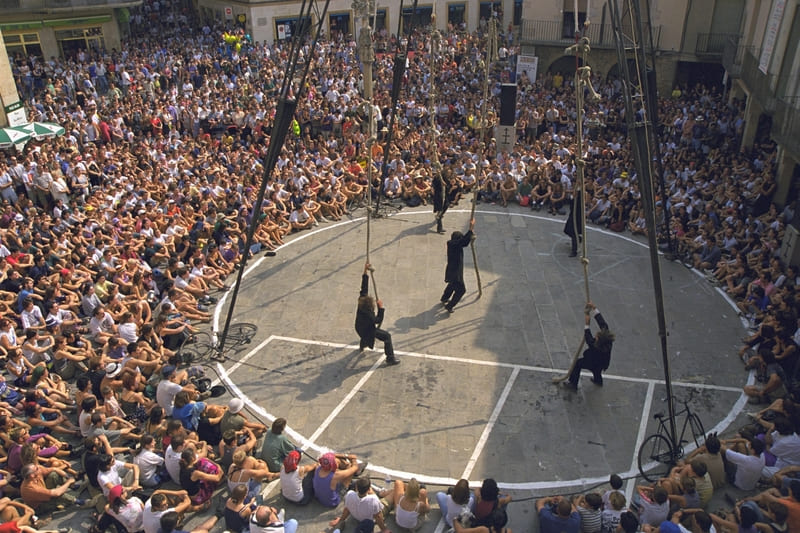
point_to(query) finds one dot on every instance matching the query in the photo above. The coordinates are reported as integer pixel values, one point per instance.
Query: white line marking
(490, 425)
(440, 526)
(345, 401)
(640, 435)
(512, 366)
(548, 486)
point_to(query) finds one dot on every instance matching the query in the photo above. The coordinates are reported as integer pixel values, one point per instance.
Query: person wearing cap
(368, 322)
(297, 481)
(234, 419)
(597, 355)
(363, 504)
(335, 470)
(170, 386)
(122, 510)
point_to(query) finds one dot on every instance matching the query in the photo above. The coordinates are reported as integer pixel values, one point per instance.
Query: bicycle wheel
(698, 433)
(197, 347)
(655, 457)
(241, 333)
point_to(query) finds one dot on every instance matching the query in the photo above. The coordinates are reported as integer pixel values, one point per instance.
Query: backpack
(495, 520)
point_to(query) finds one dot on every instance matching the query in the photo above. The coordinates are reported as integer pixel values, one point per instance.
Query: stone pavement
(473, 396)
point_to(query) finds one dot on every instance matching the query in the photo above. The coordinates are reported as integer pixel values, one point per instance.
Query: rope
(582, 82)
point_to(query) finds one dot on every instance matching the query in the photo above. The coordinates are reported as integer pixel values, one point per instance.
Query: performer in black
(440, 202)
(598, 354)
(574, 220)
(454, 273)
(368, 324)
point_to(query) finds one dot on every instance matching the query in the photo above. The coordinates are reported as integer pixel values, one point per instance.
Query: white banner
(529, 65)
(506, 137)
(771, 35)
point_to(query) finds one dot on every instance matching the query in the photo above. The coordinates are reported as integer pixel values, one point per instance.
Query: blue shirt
(189, 414)
(550, 522)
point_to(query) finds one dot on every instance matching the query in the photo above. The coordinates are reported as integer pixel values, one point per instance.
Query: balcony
(732, 57)
(786, 124)
(760, 85)
(555, 33)
(39, 6)
(712, 45)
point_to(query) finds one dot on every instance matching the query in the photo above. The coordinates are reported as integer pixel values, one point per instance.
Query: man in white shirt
(362, 505)
(746, 466)
(161, 502)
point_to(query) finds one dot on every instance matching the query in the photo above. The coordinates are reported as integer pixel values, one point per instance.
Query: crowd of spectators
(115, 237)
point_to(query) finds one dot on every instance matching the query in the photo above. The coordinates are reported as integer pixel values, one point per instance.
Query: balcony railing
(760, 85)
(555, 32)
(28, 5)
(733, 55)
(786, 124)
(713, 44)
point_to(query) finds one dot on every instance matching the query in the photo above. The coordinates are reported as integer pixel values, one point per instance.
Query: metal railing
(28, 5)
(786, 123)
(760, 85)
(713, 44)
(732, 57)
(556, 32)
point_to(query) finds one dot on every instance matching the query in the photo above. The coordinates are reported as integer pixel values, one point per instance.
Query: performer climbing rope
(368, 323)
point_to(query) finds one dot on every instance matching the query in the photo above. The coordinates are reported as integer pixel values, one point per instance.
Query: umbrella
(11, 136)
(40, 130)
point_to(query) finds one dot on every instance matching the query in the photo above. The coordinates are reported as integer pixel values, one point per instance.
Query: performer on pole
(454, 273)
(368, 323)
(574, 224)
(440, 201)
(598, 354)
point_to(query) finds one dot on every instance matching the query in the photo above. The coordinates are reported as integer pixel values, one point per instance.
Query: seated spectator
(557, 515)
(457, 500)
(45, 489)
(487, 499)
(364, 504)
(150, 463)
(744, 461)
(276, 445)
(333, 472)
(297, 482)
(266, 519)
(590, 509)
(114, 472)
(234, 419)
(160, 503)
(169, 522)
(248, 471)
(410, 503)
(238, 509)
(199, 477)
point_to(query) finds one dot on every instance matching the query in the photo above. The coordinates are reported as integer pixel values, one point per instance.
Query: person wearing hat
(170, 386)
(335, 470)
(368, 323)
(297, 481)
(454, 271)
(234, 419)
(127, 511)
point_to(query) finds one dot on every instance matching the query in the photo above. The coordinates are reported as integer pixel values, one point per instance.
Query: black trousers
(582, 363)
(453, 292)
(386, 338)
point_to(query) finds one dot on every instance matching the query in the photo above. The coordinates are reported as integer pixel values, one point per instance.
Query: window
(487, 8)
(26, 44)
(517, 12)
(456, 15)
(287, 28)
(416, 19)
(568, 27)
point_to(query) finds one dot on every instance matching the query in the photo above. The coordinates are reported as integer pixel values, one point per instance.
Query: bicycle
(200, 346)
(659, 447)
